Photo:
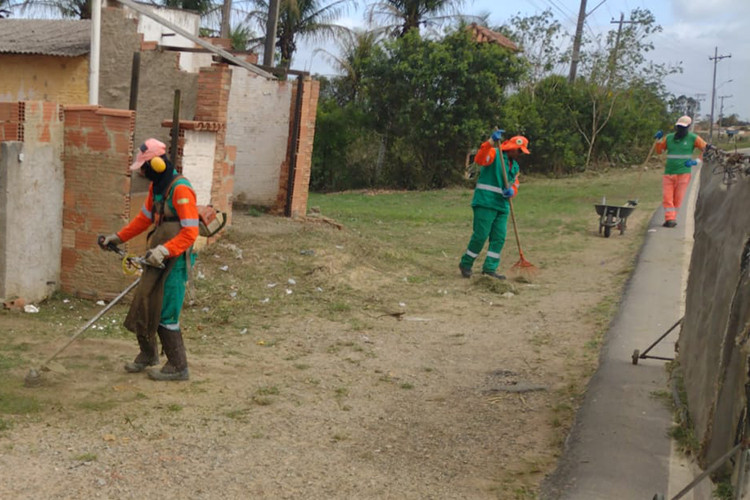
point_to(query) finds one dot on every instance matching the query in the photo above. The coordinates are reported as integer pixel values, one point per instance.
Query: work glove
(508, 192)
(110, 239)
(497, 135)
(658, 135)
(691, 163)
(155, 257)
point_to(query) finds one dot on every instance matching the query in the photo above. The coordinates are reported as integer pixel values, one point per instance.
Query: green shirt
(488, 192)
(678, 152)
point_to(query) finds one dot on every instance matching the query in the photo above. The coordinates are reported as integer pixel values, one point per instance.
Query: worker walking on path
(491, 200)
(171, 208)
(679, 146)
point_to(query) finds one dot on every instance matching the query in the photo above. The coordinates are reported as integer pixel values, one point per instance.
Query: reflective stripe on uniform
(494, 255)
(679, 157)
(189, 222)
(182, 201)
(487, 187)
(670, 209)
(147, 212)
(172, 327)
(471, 254)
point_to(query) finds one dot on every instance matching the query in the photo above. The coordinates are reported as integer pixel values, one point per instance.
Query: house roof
(486, 35)
(68, 38)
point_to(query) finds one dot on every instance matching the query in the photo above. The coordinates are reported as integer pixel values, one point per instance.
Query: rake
(523, 266)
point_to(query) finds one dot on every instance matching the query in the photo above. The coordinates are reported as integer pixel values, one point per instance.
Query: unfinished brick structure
(223, 132)
(98, 145)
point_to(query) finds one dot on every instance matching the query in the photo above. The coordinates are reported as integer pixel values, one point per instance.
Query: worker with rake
(171, 208)
(496, 185)
(679, 146)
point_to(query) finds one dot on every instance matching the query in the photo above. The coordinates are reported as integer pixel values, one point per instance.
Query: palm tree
(301, 19)
(75, 9)
(401, 16)
(355, 49)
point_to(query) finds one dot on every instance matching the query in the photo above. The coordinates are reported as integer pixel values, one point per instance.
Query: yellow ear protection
(158, 165)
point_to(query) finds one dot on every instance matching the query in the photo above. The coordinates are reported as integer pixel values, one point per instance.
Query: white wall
(198, 162)
(31, 197)
(155, 32)
(258, 124)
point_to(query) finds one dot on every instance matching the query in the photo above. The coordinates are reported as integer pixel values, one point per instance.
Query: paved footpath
(618, 447)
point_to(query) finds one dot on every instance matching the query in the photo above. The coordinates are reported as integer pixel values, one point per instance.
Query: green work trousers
(174, 294)
(488, 223)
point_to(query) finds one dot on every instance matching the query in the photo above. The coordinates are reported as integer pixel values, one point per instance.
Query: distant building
(44, 60)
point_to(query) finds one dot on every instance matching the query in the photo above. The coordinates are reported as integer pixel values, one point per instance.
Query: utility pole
(577, 42)
(721, 111)
(226, 15)
(716, 58)
(613, 62)
(699, 98)
(271, 25)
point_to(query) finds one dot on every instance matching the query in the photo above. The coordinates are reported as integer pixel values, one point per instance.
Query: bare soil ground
(317, 374)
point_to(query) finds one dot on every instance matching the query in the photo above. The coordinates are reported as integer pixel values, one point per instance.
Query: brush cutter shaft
(94, 320)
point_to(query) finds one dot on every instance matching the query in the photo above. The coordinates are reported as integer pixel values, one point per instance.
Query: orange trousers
(673, 191)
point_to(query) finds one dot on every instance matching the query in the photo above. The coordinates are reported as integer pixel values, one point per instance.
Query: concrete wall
(258, 124)
(155, 32)
(713, 343)
(31, 199)
(198, 160)
(160, 76)
(44, 78)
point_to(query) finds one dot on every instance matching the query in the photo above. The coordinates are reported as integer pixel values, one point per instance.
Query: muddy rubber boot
(176, 366)
(149, 356)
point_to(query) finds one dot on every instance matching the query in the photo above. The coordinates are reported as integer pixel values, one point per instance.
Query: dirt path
(331, 398)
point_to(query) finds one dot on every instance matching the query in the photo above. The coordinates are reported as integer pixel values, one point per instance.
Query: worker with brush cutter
(679, 146)
(491, 203)
(171, 208)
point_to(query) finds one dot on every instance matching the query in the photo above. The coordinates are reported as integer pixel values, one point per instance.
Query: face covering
(680, 132)
(160, 179)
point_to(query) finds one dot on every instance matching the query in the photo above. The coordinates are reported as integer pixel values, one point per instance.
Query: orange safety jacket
(185, 205)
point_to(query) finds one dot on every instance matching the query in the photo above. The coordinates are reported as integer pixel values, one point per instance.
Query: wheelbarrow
(614, 216)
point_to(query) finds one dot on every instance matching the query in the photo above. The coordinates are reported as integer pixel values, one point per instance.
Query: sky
(692, 31)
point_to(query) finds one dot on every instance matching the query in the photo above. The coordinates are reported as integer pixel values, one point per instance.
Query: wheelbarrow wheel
(608, 226)
(636, 356)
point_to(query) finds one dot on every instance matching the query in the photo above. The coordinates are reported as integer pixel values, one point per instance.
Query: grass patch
(268, 391)
(5, 425)
(18, 404)
(86, 457)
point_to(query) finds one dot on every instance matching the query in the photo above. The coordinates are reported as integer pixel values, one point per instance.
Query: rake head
(524, 269)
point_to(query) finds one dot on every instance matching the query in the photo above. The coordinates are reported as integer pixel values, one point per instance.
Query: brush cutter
(131, 265)
(523, 265)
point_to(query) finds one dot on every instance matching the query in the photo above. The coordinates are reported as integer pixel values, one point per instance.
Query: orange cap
(148, 150)
(516, 142)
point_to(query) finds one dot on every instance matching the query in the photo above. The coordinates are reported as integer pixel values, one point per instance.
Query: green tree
(684, 105)
(608, 73)
(401, 16)
(542, 115)
(539, 37)
(300, 19)
(355, 49)
(433, 100)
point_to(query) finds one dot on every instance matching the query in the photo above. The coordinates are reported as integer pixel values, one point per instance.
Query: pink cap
(684, 121)
(148, 150)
